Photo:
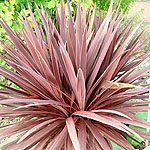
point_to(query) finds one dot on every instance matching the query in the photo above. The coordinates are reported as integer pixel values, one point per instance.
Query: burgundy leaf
(72, 133)
(78, 85)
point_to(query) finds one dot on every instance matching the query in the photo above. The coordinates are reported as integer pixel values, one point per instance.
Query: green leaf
(132, 142)
(116, 147)
(88, 3)
(142, 115)
(51, 4)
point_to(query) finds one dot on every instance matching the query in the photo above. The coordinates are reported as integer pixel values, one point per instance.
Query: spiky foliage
(76, 82)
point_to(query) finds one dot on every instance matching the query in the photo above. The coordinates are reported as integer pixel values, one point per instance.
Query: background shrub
(104, 4)
(9, 9)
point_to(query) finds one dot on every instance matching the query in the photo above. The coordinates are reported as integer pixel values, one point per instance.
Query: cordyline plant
(76, 82)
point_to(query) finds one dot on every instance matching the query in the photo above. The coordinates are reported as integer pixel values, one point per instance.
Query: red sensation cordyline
(76, 82)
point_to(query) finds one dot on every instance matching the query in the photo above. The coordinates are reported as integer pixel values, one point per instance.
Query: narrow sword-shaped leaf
(82, 134)
(81, 89)
(72, 133)
(58, 140)
(35, 128)
(98, 136)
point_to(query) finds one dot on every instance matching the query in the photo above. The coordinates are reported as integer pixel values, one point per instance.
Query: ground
(137, 6)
